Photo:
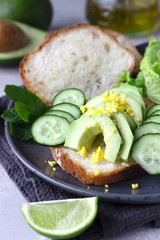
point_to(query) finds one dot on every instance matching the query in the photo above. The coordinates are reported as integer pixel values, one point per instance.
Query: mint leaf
(10, 115)
(24, 112)
(21, 131)
(22, 95)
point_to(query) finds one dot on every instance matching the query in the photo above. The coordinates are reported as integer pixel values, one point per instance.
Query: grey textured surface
(12, 224)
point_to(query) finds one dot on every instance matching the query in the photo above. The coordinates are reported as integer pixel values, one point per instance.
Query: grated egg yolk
(117, 104)
(52, 163)
(96, 156)
(83, 109)
(135, 185)
(83, 152)
(96, 172)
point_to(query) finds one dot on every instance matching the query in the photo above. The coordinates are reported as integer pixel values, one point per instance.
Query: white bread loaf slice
(126, 43)
(81, 56)
(83, 169)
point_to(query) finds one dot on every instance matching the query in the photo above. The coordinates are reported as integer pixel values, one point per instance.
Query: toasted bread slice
(80, 56)
(83, 169)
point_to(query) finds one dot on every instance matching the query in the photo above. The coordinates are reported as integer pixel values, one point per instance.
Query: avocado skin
(37, 13)
(35, 38)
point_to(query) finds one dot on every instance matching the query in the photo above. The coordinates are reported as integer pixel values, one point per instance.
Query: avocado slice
(129, 88)
(134, 104)
(125, 133)
(34, 38)
(132, 95)
(83, 131)
(123, 128)
(94, 101)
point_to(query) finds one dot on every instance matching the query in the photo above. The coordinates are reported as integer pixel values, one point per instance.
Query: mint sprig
(28, 107)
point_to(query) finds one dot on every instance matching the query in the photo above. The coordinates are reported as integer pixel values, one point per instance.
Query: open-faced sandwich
(97, 132)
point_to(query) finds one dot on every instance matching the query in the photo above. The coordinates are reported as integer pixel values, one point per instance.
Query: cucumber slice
(70, 95)
(146, 152)
(155, 119)
(60, 113)
(68, 107)
(50, 130)
(149, 127)
(155, 113)
(152, 110)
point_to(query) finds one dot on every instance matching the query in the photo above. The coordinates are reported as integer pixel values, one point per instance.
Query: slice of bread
(83, 169)
(81, 56)
(126, 43)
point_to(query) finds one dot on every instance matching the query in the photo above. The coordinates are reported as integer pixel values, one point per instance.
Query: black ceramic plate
(34, 157)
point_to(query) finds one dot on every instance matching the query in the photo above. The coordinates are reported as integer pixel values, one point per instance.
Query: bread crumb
(135, 185)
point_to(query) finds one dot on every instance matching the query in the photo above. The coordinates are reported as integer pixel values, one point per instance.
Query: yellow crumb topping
(83, 109)
(138, 120)
(54, 169)
(106, 190)
(116, 103)
(106, 186)
(83, 152)
(96, 156)
(85, 128)
(95, 123)
(113, 130)
(135, 185)
(96, 172)
(52, 163)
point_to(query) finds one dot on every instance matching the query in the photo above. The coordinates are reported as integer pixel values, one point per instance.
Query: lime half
(61, 219)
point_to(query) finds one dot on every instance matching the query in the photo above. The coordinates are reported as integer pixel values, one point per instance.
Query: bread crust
(52, 36)
(71, 167)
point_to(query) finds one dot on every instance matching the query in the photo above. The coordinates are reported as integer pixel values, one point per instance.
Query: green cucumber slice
(50, 130)
(155, 118)
(149, 127)
(68, 107)
(70, 95)
(152, 110)
(146, 152)
(155, 113)
(60, 113)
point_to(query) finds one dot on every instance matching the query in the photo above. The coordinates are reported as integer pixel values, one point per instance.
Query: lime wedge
(61, 219)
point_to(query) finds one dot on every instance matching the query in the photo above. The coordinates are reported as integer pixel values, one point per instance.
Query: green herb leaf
(10, 115)
(21, 131)
(127, 78)
(24, 112)
(22, 95)
(139, 81)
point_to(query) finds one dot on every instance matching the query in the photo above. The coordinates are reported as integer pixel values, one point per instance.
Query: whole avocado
(37, 13)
